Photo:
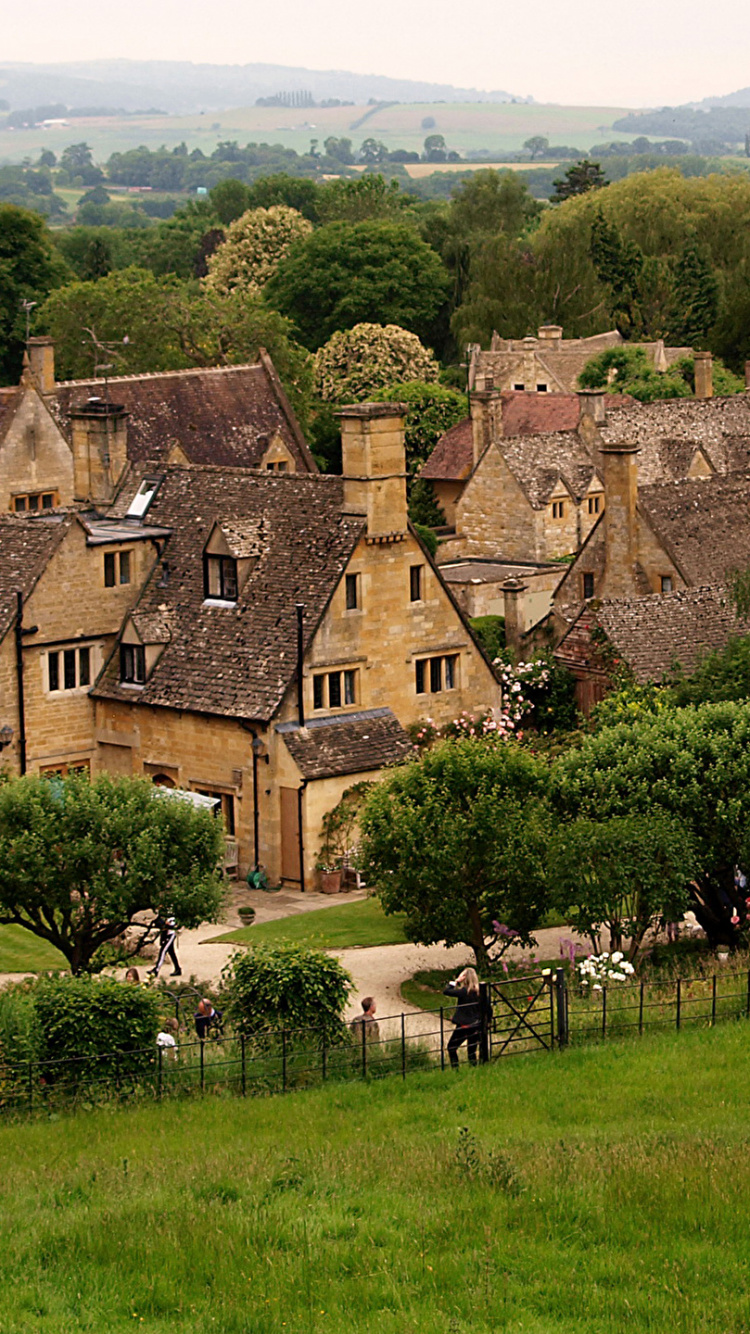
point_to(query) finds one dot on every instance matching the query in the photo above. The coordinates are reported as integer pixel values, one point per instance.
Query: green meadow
(597, 1191)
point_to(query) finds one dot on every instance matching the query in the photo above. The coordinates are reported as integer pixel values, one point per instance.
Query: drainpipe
(19, 683)
(301, 833)
(300, 657)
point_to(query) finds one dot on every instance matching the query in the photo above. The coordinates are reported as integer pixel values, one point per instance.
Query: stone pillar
(620, 468)
(99, 433)
(374, 466)
(513, 590)
(42, 363)
(704, 375)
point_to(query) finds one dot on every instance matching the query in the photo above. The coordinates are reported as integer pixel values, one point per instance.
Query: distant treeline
(717, 130)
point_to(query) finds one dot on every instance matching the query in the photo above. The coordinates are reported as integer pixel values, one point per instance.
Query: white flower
(546, 972)
(617, 956)
(596, 987)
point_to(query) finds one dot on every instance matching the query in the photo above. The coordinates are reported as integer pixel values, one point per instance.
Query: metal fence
(534, 1013)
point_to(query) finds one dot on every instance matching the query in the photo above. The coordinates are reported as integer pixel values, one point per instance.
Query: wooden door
(290, 868)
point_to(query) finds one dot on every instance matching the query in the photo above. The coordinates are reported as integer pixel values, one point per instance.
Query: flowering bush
(598, 970)
(476, 726)
(356, 362)
(520, 683)
(255, 244)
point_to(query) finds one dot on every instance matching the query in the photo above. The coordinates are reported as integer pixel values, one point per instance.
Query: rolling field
(602, 1190)
(496, 127)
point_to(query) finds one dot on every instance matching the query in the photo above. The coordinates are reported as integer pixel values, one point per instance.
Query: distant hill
(739, 99)
(709, 129)
(182, 88)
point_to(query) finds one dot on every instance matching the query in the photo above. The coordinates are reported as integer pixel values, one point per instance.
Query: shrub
(83, 1017)
(287, 987)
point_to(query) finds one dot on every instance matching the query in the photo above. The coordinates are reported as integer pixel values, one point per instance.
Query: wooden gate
(525, 1014)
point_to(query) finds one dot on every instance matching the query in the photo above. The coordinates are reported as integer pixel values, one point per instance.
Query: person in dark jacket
(467, 1016)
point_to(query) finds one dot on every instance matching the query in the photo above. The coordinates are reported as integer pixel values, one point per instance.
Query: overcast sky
(637, 53)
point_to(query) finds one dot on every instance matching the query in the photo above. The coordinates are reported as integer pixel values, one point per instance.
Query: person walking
(367, 1021)
(167, 937)
(467, 1016)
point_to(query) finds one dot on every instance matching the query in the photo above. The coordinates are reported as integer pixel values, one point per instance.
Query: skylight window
(143, 498)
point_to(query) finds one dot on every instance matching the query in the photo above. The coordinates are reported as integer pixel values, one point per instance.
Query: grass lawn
(338, 928)
(602, 1190)
(22, 952)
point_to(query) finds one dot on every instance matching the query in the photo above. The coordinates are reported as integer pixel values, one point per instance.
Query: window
(666, 583)
(441, 672)
(558, 509)
(142, 498)
(593, 504)
(519, 388)
(226, 807)
(352, 592)
(336, 689)
(541, 388)
(68, 669)
(35, 500)
(62, 770)
(221, 578)
(280, 466)
(132, 664)
(588, 585)
(415, 583)
(116, 568)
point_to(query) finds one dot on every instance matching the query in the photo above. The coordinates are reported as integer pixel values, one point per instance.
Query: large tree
(456, 840)
(255, 244)
(29, 269)
(689, 764)
(83, 862)
(374, 272)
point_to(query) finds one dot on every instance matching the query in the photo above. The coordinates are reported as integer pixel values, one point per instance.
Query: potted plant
(330, 878)
(338, 827)
(246, 914)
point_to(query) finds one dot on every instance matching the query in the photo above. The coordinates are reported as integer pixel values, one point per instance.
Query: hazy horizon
(573, 54)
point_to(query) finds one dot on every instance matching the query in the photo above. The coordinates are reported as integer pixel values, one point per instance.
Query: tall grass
(603, 1189)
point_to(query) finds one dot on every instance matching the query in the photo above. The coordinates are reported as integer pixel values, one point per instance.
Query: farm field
(604, 1188)
(491, 126)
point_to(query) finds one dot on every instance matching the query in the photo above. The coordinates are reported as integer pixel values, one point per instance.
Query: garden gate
(527, 1013)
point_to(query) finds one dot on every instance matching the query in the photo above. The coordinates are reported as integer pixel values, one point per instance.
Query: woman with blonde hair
(467, 1016)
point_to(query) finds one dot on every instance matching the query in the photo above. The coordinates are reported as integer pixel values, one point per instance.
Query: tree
(354, 364)
(231, 199)
(628, 874)
(377, 272)
(692, 765)
(618, 265)
(287, 987)
(578, 180)
(435, 148)
(372, 152)
(339, 149)
(82, 862)
(696, 294)
(255, 245)
(536, 146)
(456, 841)
(29, 269)
(431, 411)
(371, 196)
(627, 370)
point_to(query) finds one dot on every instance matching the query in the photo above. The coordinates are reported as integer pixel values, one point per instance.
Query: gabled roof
(356, 743)
(26, 544)
(453, 456)
(538, 461)
(704, 525)
(226, 415)
(559, 361)
(669, 431)
(236, 661)
(654, 634)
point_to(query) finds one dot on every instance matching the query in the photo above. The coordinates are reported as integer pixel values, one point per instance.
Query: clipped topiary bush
(274, 987)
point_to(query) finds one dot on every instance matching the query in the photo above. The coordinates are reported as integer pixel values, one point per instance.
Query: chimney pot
(593, 404)
(41, 352)
(513, 589)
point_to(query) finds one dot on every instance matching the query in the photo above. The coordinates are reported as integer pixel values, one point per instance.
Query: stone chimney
(99, 432)
(620, 470)
(593, 405)
(486, 417)
(374, 466)
(550, 335)
(513, 590)
(704, 374)
(41, 352)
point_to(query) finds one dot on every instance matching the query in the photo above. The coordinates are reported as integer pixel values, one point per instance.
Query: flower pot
(330, 882)
(246, 915)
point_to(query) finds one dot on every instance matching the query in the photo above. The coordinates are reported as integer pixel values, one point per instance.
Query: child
(166, 1039)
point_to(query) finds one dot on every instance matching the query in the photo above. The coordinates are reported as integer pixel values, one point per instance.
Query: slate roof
(235, 661)
(26, 544)
(654, 634)
(522, 414)
(704, 525)
(476, 571)
(224, 415)
(669, 430)
(537, 461)
(562, 364)
(357, 743)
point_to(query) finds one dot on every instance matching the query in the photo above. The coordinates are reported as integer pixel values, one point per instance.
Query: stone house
(551, 364)
(291, 629)
(66, 443)
(652, 636)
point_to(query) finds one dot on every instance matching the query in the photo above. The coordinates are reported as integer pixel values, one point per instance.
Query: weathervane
(27, 307)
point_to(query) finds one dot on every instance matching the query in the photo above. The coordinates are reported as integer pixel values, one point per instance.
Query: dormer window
(132, 664)
(143, 498)
(220, 578)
